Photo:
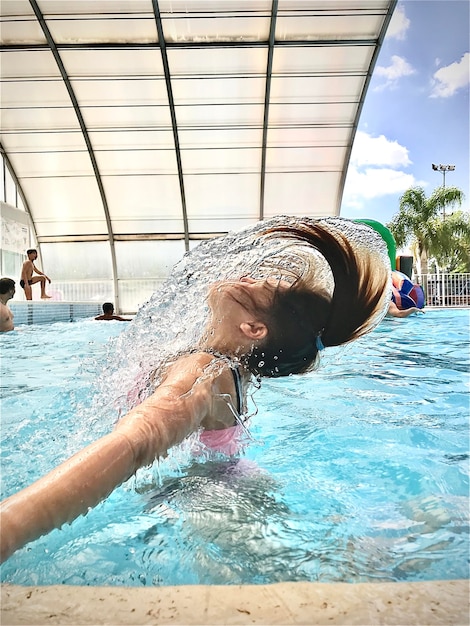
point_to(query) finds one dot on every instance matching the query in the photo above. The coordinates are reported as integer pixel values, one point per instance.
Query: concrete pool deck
(405, 604)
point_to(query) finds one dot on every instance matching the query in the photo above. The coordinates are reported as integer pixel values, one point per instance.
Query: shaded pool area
(355, 473)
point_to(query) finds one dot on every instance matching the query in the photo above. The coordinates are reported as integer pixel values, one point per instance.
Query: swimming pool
(357, 472)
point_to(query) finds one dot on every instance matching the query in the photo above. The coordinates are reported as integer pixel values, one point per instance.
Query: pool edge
(423, 603)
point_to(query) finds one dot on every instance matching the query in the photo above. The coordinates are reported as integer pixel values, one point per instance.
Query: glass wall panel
(77, 261)
(83, 209)
(220, 115)
(221, 195)
(16, 63)
(89, 8)
(35, 93)
(346, 24)
(307, 159)
(134, 293)
(313, 193)
(15, 239)
(147, 259)
(17, 8)
(223, 223)
(305, 114)
(340, 59)
(217, 62)
(316, 89)
(231, 160)
(141, 162)
(132, 138)
(236, 91)
(133, 91)
(221, 137)
(26, 31)
(58, 163)
(38, 120)
(122, 63)
(142, 27)
(309, 136)
(132, 197)
(121, 118)
(42, 141)
(160, 225)
(229, 26)
(10, 194)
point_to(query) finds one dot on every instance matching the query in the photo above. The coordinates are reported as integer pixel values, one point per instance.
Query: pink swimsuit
(228, 441)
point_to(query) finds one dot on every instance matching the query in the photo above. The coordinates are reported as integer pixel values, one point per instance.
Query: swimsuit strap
(237, 379)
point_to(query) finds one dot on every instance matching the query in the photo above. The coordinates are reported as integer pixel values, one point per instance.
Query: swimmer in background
(407, 298)
(27, 278)
(394, 311)
(108, 313)
(269, 326)
(7, 291)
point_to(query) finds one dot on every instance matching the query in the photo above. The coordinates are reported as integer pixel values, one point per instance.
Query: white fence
(446, 290)
(132, 293)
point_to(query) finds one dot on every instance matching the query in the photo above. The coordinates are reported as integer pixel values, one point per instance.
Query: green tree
(421, 223)
(451, 248)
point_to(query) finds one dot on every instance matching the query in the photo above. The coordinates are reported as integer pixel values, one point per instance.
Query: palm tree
(418, 222)
(451, 248)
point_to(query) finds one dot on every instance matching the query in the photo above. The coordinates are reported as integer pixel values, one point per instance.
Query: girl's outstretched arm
(176, 409)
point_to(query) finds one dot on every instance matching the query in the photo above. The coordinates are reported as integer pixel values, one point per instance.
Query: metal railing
(132, 292)
(445, 290)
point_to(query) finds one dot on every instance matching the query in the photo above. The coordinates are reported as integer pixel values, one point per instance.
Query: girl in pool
(326, 283)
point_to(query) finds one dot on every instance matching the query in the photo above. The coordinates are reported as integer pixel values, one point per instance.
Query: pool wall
(47, 312)
(407, 604)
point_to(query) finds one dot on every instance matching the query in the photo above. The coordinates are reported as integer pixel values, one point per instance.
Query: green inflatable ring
(386, 236)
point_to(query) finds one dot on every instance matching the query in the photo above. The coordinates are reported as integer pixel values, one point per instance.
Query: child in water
(315, 284)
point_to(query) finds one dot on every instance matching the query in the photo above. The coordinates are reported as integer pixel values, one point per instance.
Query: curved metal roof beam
(81, 121)
(373, 61)
(267, 96)
(171, 103)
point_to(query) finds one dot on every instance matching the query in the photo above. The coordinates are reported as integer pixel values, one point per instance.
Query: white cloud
(379, 151)
(374, 183)
(448, 80)
(398, 68)
(399, 24)
(375, 170)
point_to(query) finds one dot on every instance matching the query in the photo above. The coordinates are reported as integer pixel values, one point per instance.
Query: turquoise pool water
(357, 472)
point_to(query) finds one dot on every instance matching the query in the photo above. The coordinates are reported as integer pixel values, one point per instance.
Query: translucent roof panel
(133, 120)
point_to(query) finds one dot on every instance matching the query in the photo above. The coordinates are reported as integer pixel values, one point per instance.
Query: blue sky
(416, 110)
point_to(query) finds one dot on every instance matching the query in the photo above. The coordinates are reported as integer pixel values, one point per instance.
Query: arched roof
(133, 120)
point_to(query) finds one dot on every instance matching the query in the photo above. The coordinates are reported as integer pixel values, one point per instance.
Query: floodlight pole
(443, 169)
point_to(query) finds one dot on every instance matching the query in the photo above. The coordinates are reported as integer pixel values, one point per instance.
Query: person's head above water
(276, 325)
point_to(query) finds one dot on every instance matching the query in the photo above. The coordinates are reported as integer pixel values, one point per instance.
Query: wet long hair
(305, 313)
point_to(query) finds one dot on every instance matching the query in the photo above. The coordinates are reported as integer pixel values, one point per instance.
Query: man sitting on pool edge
(27, 278)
